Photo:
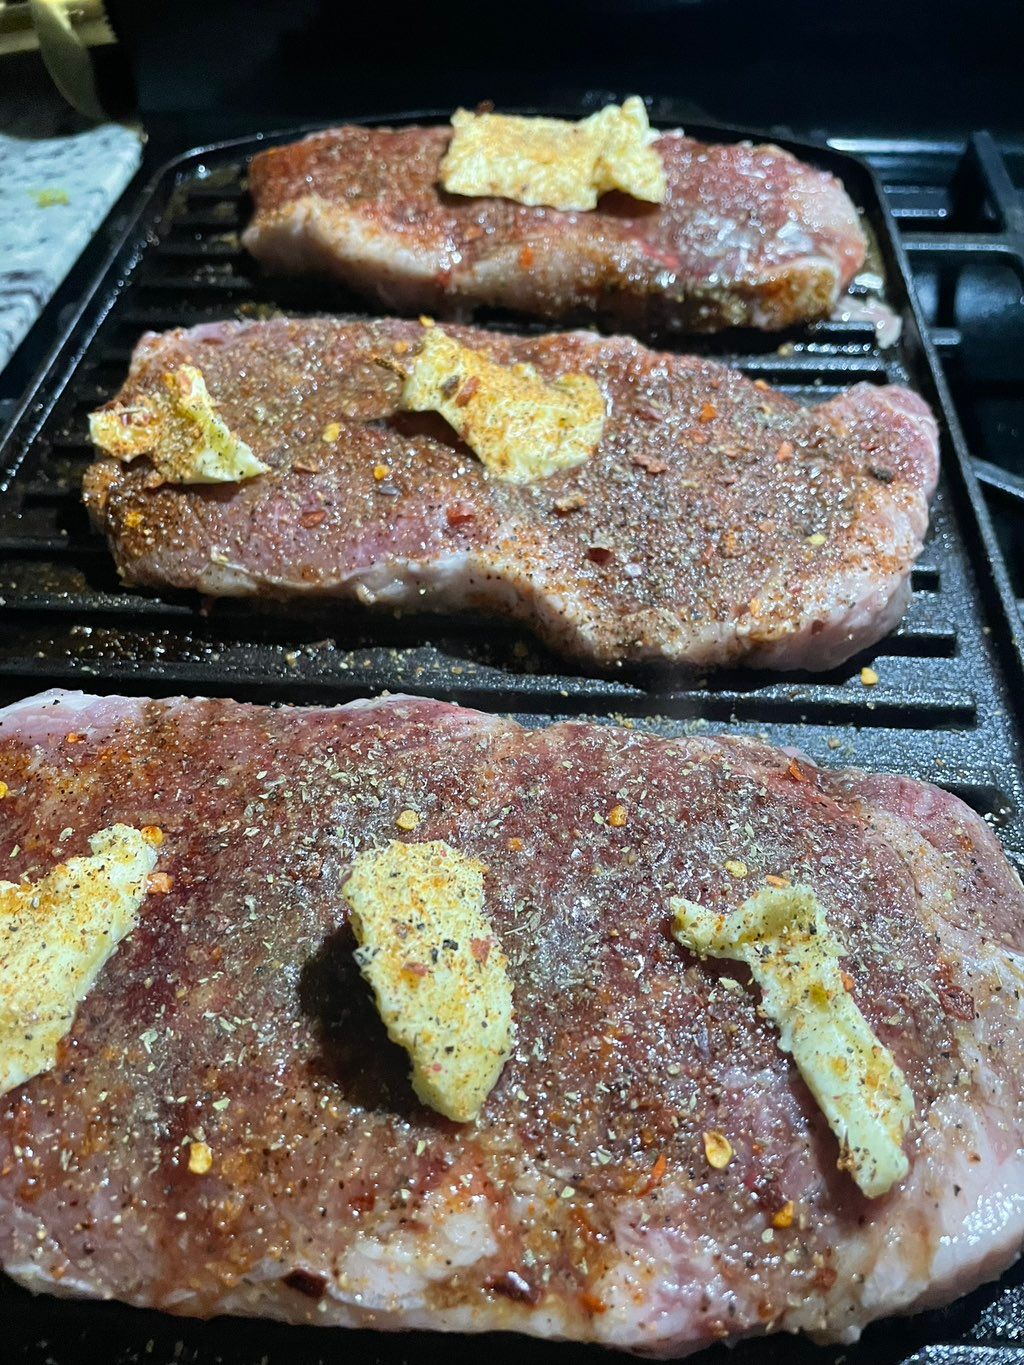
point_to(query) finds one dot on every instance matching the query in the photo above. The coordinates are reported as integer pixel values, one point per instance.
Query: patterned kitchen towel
(54, 193)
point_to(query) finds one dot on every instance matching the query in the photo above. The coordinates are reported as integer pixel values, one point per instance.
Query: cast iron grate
(946, 707)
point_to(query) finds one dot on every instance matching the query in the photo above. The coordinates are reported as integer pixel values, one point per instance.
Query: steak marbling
(748, 236)
(581, 1203)
(718, 522)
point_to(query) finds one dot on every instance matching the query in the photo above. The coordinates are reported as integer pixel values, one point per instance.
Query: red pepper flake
(796, 772)
(467, 391)
(708, 413)
(848, 981)
(515, 844)
(600, 554)
(657, 1174)
(459, 513)
(481, 948)
(526, 257)
(316, 517)
(957, 1002)
(718, 1149)
(313, 1286)
(592, 1303)
(73, 738)
(419, 969)
(160, 883)
(649, 463)
(729, 546)
(783, 1218)
(784, 452)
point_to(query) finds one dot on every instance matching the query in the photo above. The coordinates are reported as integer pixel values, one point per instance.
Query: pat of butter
(180, 430)
(553, 161)
(439, 976)
(794, 956)
(519, 425)
(55, 937)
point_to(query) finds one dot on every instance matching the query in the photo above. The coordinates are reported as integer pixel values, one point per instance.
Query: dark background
(856, 66)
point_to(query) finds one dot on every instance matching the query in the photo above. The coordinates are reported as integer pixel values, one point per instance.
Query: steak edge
(718, 522)
(580, 1204)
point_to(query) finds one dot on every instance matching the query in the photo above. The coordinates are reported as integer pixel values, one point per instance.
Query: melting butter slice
(519, 425)
(439, 976)
(555, 162)
(793, 955)
(55, 937)
(179, 429)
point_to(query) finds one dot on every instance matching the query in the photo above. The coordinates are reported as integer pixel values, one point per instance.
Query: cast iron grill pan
(946, 708)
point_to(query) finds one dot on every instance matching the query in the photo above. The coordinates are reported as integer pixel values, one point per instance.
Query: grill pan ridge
(947, 707)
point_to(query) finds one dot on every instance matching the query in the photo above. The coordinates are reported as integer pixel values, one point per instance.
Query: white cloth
(54, 193)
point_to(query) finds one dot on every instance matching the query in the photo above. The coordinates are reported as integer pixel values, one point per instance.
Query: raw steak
(581, 1203)
(748, 236)
(718, 522)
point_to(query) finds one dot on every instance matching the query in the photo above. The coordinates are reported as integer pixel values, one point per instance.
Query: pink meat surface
(580, 1204)
(748, 236)
(718, 522)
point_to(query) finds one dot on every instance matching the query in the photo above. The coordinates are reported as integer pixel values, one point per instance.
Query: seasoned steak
(747, 236)
(582, 1203)
(718, 521)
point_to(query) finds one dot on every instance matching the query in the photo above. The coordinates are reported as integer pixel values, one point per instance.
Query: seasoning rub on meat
(689, 516)
(227, 1128)
(745, 235)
